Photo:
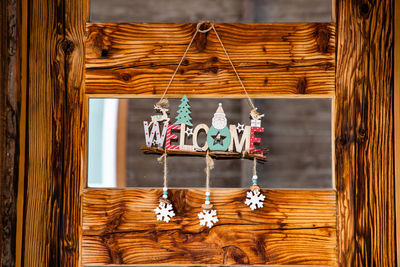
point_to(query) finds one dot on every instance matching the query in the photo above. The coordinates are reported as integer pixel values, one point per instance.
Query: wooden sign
(226, 140)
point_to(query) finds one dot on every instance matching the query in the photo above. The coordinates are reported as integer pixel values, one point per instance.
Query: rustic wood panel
(294, 227)
(10, 109)
(396, 106)
(137, 59)
(345, 145)
(52, 211)
(364, 143)
(46, 92)
(74, 126)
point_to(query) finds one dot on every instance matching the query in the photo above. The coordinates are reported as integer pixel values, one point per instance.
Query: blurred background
(297, 131)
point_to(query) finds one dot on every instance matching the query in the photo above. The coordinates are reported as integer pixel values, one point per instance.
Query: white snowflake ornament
(208, 217)
(164, 212)
(254, 199)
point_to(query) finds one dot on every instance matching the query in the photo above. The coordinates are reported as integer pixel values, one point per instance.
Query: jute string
(254, 166)
(226, 53)
(209, 166)
(164, 158)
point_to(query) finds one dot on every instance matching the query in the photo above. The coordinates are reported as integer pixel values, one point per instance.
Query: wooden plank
(74, 126)
(122, 132)
(345, 143)
(275, 59)
(52, 211)
(396, 107)
(365, 78)
(294, 227)
(46, 90)
(22, 129)
(10, 109)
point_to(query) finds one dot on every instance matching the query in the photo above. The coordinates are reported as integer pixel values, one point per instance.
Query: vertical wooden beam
(74, 129)
(10, 113)
(122, 132)
(55, 126)
(397, 120)
(344, 143)
(23, 26)
(364, 79)
(44, 175)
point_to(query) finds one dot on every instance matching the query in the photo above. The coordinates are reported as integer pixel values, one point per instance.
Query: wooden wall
(51, 222)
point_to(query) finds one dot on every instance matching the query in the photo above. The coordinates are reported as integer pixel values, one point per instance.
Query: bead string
(212, 27)
(255, 177)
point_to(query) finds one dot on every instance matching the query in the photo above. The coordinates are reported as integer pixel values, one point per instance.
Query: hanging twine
(209, 166)
(225, 51)
(160, 159)
(254, 167)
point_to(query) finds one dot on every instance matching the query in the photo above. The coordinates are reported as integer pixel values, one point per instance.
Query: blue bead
(165, 192)
(254, 181)
(208, 198)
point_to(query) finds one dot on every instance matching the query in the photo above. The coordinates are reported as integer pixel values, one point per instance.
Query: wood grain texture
(10, 109)
(139, 59)
(396, 107)
(52, 212)
(364, 143)
(345, 144)
(74, 126)
(295, 227)
(46, 90)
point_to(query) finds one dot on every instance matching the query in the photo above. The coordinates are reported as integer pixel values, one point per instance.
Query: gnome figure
(219, 137)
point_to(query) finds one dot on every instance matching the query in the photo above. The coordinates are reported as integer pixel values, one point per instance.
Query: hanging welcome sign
(224, 140)
(161, 134)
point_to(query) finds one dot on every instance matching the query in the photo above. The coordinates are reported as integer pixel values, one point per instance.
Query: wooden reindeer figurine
(161, 106)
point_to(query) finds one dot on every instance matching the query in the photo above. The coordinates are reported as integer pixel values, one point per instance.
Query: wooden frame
(51, 173)
(122, 59)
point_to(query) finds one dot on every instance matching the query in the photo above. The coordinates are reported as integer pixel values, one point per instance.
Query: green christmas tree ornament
(184, 113)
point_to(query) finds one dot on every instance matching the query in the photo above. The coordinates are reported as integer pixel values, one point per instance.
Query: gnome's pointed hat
(219, 111)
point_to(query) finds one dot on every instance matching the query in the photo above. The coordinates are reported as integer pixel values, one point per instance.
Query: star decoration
(154, 142)
(208, 217)
(189, 131)
(240, 127)
(254, 199)
(218, 139)
(164, 212)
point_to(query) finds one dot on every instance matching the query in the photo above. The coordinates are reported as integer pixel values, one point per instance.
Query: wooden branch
(139, 59)
(213, 154)
(295, 227)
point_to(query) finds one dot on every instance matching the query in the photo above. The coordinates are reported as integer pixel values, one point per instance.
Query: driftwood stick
(213, 154)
